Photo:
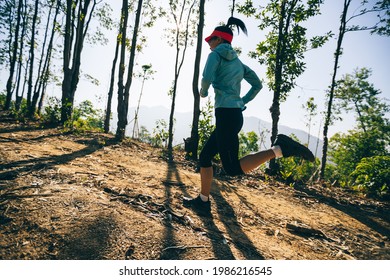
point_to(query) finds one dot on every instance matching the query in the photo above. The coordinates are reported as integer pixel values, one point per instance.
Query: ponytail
(238, 23)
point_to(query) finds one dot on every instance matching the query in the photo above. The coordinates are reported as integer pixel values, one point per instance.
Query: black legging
(224, 141)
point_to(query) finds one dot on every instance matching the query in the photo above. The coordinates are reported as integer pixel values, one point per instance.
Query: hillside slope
(65, 196)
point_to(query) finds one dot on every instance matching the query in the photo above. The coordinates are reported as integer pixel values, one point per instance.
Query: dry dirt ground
(66, 196)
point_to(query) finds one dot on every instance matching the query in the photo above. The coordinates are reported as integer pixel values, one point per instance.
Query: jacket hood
(226, 51)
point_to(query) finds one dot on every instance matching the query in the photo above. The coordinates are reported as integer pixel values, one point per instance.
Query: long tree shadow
(4, 139)
(364, 216)
(234, 229)
(220, 249)
(12, 170)
(169, 235)
(19, 128)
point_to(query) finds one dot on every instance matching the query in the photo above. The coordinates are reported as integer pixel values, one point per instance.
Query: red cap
(216, 33)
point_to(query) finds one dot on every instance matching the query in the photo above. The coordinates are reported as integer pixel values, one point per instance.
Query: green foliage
(311, 112)
(332, 174)
(382, 27)
(361, 155)
(160, 134)
(144, 135)
(2, 100)
(249, 143)
(379, 9)
(21, 112)
(319, 41)
(372, 175)
(18, 110)
(355, 93)
(206, 125)
(297, 170)
(87, 118)
(52, 112)
(282, 50)
(371, 137)
(347, 150)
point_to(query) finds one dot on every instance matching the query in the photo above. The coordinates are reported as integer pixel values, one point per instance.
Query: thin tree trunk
(46, 67)
(111, 89)
(342, 31)
(360, 117)
(38, 81)
(122, 122)
(124, 106)
(32, 55)
(193, 144)
(18, 98)
(275, 107)
(284, 25)
(65, 113)
(7, 104)
(178, 66)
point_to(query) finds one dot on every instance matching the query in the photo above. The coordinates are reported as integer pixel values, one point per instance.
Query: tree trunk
(275, 107)
(45, 71)
(32, 55)
(111, 89)
(121, 121)
(71, 74)
(178, 65)
(193, 143)
(171, 115)
(286, 12)
(42, 61)
(65, 110)
(7, 104)
(123, 103)
(328, 116)
(19, 98)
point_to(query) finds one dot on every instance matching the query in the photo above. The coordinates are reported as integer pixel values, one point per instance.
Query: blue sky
(360, 50)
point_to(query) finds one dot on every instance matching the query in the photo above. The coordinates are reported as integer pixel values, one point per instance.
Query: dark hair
(228, 27)
(238, 23)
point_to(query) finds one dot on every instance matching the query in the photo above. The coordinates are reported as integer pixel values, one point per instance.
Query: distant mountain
(257, 125)
(148, 116)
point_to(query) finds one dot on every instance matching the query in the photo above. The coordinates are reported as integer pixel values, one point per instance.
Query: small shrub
(86, 118)
(52, 112)
(372, 175)
(160, 134)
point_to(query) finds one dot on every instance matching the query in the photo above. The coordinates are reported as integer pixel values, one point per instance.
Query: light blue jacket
(225, 71)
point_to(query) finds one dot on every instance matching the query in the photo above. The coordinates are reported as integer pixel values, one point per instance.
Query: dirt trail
(65, 196)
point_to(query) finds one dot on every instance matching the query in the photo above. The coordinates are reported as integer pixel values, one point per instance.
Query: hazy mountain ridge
(148, 116)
